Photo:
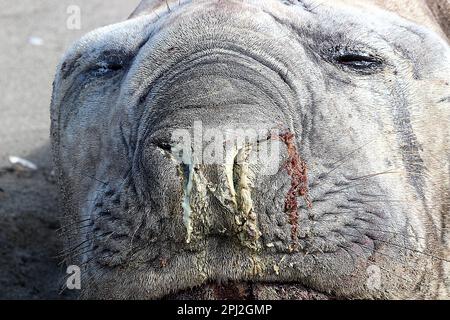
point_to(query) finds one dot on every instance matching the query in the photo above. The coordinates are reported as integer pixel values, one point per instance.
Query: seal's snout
(222, 186)
(218, 188)
(218, 200)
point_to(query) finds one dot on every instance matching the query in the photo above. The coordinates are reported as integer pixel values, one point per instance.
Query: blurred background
(33, 37)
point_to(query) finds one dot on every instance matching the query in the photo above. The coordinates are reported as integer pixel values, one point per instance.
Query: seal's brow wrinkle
(306, 5)
(68, 67)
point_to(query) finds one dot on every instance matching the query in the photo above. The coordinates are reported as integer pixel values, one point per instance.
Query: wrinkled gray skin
(375, 140)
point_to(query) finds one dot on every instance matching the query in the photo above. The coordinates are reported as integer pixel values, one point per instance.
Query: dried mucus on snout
(233, 189)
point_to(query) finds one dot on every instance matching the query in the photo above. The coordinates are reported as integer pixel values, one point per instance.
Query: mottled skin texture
(366, 94)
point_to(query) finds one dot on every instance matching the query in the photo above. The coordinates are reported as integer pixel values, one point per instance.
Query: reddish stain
(232, 291)
(297, 170)
(163, 262)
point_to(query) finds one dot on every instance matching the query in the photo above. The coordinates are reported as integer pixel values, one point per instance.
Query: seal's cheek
(159, 186)
(85, 118)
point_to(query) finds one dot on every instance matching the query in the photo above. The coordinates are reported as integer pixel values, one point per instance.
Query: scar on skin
(298, 171)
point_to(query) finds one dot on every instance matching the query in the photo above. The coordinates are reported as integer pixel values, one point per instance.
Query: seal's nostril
(162, 140)
(164, 146)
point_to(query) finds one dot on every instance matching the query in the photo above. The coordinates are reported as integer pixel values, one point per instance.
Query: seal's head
(291, 149)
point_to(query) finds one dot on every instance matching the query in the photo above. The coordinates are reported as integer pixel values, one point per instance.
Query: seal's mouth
(250, 291)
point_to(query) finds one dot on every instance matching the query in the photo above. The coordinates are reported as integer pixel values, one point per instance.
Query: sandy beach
(33, 38)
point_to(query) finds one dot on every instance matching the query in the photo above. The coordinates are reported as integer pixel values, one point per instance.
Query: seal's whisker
(337, 191)
(63, 232)
(371, 175)
(134, 234)
(371, 229)
(378, 223)
(86, 263)
(414, 250)
(75, 250)
(340, 162)
(76, 247)
(391, 232)
(340, 233)
(393, 273)
(93, 178)
(65, 257)
(66, 226)
(79, 253)
(326, 213)
(364, 258)
(403, 263)
(68, 251)
(386, 200)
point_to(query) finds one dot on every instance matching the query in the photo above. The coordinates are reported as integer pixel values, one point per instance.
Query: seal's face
(351, 204)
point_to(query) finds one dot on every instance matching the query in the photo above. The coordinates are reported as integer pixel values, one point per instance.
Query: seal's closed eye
(115, 66)
(355, 57)
(109, 62)
(103, 67)
(357, 61)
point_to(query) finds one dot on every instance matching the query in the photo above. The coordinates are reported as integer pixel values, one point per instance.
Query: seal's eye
(103, 68)
(114, 66)
(357, 61)
(356, 57)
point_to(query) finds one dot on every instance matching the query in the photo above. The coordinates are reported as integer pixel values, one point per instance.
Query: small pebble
(35, 41)
(24, 163)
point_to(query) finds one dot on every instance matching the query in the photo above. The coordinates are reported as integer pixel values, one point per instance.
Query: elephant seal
(353, 96)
